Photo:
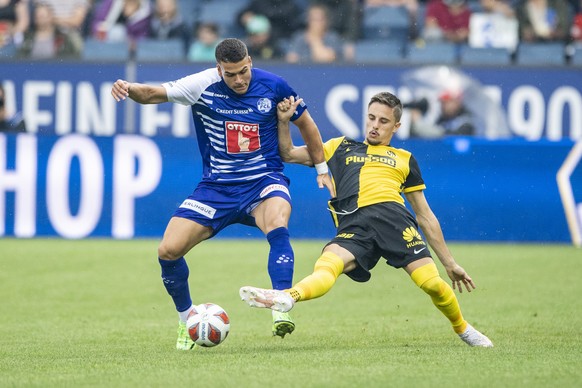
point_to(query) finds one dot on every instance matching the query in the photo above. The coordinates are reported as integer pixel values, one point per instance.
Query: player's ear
(396, 126)
(219, 70)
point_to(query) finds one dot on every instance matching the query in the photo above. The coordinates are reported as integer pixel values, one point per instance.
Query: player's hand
(325, 180)
(287, 107)
(459, 277)
(120, 90)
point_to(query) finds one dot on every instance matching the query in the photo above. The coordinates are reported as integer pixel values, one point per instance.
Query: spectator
(284, 16)
(119, 20)
(543, 20)
(411, 7)
(500, 7)
(494, 25)
(46, 40)
(207, 38)
(259, 39)
(576, 31)
(454, 118)
(317, 43)
(345, 18)
(447, 20)
(167, 23)
(70, 18)
(14, 123)
(14, 21)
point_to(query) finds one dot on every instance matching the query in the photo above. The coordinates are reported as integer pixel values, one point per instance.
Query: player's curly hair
(391, 100)
(231, 50)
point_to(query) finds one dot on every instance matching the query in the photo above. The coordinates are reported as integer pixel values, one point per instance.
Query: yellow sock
(327, 269)
(442, 295)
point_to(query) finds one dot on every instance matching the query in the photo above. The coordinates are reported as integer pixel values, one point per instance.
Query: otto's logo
(238, 126)
(242, 137)
(264, 105)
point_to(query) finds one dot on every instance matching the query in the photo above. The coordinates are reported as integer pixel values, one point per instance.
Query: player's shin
(281, 259)
(442, 295)
(327, 269)
(175, 277)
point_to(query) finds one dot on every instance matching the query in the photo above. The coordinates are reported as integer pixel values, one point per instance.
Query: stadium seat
(152, 50)
(386, 22)
(7, 52)
(189, 9)
(379, 51)
(540, 54)
(433, 53)
(97, 50)
(576, 59)
(224, 14)
(484, 56)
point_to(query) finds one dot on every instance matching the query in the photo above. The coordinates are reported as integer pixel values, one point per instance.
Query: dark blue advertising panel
(128, 186)
(509, 102)
(64, 98)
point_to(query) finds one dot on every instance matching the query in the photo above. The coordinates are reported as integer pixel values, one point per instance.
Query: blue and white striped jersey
(237, 134)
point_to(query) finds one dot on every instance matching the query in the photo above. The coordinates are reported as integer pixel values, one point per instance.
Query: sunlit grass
(95, 313)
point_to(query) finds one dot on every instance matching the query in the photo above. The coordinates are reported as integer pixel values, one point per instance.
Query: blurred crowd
(295, 31)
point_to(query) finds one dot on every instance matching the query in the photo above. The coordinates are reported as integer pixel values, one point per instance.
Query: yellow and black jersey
(364, 174)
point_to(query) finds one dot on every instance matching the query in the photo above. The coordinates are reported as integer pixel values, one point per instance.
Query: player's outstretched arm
(431, 228)
(142, 93)
(289, 153)
(301, 155)
(312, 138)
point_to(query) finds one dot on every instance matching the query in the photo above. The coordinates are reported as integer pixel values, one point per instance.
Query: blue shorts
(218, 205)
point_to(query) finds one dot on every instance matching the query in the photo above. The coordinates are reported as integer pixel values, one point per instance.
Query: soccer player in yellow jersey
(372, 220)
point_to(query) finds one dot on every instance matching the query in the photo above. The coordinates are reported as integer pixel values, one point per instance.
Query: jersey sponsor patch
(413, 239)
(242, 137)
(199, 207)
(269, 189)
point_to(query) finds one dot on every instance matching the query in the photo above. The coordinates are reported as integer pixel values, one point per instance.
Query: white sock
(184, 314)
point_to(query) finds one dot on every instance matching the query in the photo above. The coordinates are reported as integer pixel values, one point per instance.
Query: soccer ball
(208, 324)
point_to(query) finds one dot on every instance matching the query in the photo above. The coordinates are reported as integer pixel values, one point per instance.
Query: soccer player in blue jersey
(372, 220)
(234, 107)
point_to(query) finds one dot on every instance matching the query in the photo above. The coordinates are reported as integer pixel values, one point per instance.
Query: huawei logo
(410, 234)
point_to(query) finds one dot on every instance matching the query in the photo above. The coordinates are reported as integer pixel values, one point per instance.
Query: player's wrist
(321, 168)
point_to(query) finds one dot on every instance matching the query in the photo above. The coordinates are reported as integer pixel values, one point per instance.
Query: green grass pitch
(94, 313)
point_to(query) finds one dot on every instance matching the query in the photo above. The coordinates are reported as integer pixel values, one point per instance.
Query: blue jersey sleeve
(285, 91)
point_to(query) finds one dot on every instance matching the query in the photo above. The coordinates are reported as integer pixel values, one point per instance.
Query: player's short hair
(231, 50)
(390, 100)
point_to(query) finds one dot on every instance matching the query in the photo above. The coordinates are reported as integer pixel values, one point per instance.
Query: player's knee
(331, 263)
(434, 286)
(166, 252)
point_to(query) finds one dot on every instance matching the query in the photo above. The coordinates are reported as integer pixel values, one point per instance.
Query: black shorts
(385, 230)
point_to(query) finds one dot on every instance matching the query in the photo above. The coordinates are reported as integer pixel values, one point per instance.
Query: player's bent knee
(330, 262)
(434, 286)
(165, 252)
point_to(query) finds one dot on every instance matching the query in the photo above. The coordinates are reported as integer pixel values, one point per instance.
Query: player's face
(380, 124)
(237, 76)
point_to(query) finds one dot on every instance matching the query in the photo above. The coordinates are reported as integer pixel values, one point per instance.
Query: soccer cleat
(184, 341)
(272, 299)
(473, 337)
(282, 324)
